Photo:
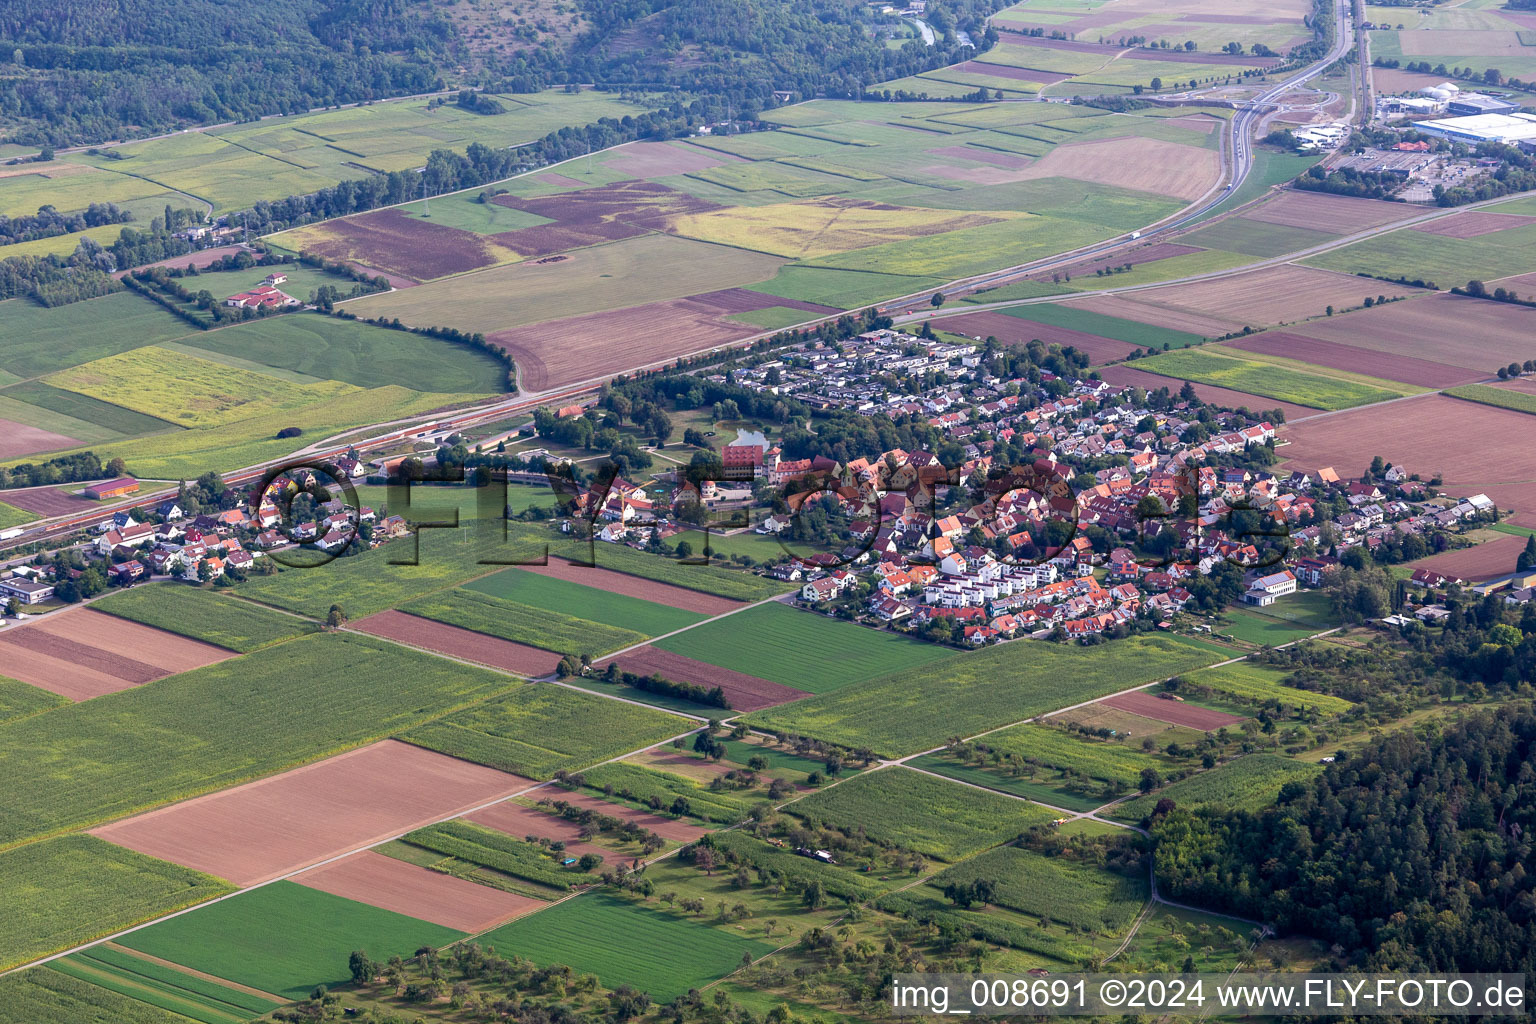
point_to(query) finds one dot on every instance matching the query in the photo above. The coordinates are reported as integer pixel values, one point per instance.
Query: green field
(523, 623)
(626, 943)
(1275, 378)
(219, 725)
(1247, 784)
(1046, 790)
(329, 348)
(12, 516)
(921, 708)
(205, 615)
(115, 419)
(22, 700)
(1067, 892)
(41, 995)
(1418, 255)
(162, 986)
(1256, 238)
(1206, 261)
(801, 649)
(1485, 394)
(590, 603)
(773, 318)
(39, 341)
(497, 851)
(284, 938)
(465, 211)
(708, 579)
(970, 251)
(72, 889)
(635, 784)
(542, 728)
(845, 289)
(1293, 617)
(907, 809)
(1089, 322)
(1258, 684)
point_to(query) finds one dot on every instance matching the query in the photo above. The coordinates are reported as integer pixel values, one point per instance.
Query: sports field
(285, 938)
(624, 942)
(209, 616)
(68, 890)
(921, 708)
(801, 649)
(540, 729)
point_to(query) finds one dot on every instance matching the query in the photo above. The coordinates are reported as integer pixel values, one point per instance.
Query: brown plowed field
(1473, 448)
(521, 822)
(667, 828)
(635, 586)
(199, 259)
(1273, 295)
(270, 828)
(698, 769)
(47, 501)
(396, 243)
(1128, 308)
(744, 692)
(418, 892)
(459, 643)
(1172, 711)
(1521, 284)
(578, 348)
(1011, 330)
(591, 216)
(18, 439)
(1473, 224)
(1132, 377)
(657, 159)
(1496, 557)
(1474, 333)
(1421, 372)
(743, 300)
(1340, 214)
(79, 654)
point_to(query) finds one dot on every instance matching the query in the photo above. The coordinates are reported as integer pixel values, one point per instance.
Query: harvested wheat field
(1496, 557)
(1473, 448)
(1127, 307)
(441, 638)
(1273, 295)
(49, 500)
(1148, 165)
(815, 228)
(743, 692)
(1473, 224)
(1473, 333)
(744, 300)
(80, 654)
(397, 244)
(418, 892)
(273, 827)
(1339, 214)
(1171, 711)
(635, 586)
(1407, 369)
(1012, 330)
(560, 352)
(658, 159)
(1134, 378)
(667, 828)
(521, 822)
(18, 439)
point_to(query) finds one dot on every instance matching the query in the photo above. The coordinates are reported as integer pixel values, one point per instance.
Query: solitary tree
(937, 300)
(335, 618)
(1527, 559)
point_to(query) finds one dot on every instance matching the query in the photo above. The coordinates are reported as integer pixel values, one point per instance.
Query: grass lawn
(772, 318)
(220, 725)
(1275, 377)
(590, 603)
(920, 708)
(285, 938)
(1514, 531)
(1248, 783)
(541, 728)
(626, 943)
(899, 807)
(71, 889)
(801, 649)
(206, 615)
(12, 516)
(1089, 322)
(523, 623)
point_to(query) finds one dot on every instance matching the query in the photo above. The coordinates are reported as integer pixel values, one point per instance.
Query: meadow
(1257, 238)
(1257, 684)
(488, 848)
(285, 938)
(523, 623)
(45, 995)
(543, 728)
(72, 889)
(805, 650)
(20, 700)
(1246, 784)
(40, 341)
(1417, 255)
(902, 808)
(1501, 398)
(161, 986)
(636, 785)
(206, 615)
(12, 516)
(1283, 379)
(590, 603)
(626, 943)
(219, 725)
(1066, 758)
(921, 708)
(106, 420)
(1089, 322)
(1068, 892)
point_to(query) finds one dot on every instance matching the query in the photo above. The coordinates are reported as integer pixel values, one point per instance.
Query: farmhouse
(112, 488)
(261, 297)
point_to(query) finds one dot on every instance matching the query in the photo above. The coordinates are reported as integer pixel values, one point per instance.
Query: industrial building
(1512, 129)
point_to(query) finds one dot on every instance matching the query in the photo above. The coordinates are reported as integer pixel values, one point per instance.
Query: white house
(1266, 589)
